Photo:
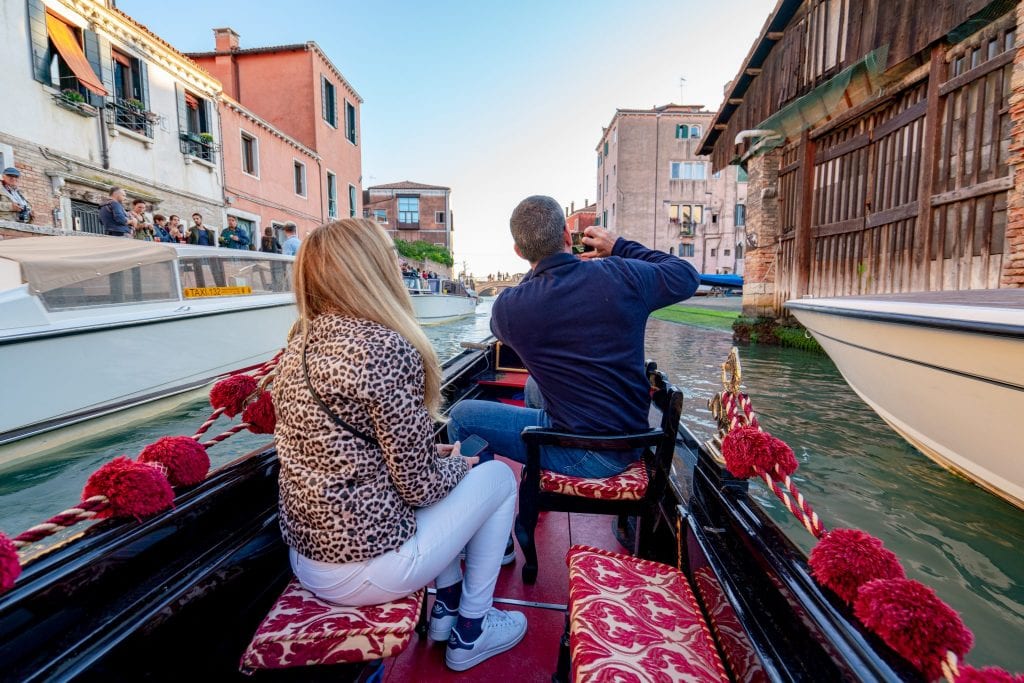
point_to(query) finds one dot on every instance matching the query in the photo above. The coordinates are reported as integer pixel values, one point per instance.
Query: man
(199, 233)
(13, 205)
(137, 217)
(233, 237)
(578, 325)
(291, 241)
(113, 217)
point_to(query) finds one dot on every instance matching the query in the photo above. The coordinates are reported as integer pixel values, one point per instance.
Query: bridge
(495, 287)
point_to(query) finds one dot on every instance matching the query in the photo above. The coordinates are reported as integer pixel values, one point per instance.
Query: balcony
(198, 145)
(131, 115)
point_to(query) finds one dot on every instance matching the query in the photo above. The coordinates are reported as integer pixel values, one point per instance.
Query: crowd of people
(412, 271)
(118, 220)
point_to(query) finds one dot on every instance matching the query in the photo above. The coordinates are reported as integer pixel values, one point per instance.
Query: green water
(855, 471)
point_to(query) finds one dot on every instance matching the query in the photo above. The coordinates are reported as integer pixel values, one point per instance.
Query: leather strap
(334, 416)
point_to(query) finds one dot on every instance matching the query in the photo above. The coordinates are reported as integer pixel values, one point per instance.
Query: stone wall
(763, 235)
(1013, 256)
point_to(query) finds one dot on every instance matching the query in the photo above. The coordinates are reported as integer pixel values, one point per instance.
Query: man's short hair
(197, 214)
(114, 190)
(157, 217)
(538, 224)
(290, 227)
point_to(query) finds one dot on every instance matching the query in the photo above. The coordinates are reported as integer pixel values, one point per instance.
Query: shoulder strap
(334, 416)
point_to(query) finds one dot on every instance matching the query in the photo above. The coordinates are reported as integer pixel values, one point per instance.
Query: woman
(370, 509)
(270, 243)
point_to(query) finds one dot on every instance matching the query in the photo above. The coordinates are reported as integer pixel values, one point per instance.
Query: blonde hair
(349, 267)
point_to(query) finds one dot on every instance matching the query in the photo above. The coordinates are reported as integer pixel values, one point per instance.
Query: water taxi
(438, 300)
(90, 325)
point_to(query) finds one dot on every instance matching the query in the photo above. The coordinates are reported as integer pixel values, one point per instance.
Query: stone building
(412, 211)
(96, 100)
(655, 188)
(883, 142)
(310, 167)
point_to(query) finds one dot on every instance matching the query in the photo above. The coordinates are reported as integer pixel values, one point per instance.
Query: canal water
(854, 470)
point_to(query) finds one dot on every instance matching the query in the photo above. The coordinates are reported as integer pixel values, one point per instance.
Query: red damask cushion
(635, 620)
(302, 630)
(631, 484)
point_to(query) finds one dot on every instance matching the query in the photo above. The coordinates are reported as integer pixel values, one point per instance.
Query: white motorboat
(944, 369)
(93, 325)
(436, 301)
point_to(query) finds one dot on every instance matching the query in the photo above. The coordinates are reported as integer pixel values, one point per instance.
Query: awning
(121, 59)
(67, 45)
(48, 263)
(191, 101)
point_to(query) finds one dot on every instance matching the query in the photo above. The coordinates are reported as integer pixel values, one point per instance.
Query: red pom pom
(260, 415)
(10, 567)
(230, 393)
(990, 674)
(747, 450)
(134, 489)
(846, 559)
(187, 462)
(912, 620)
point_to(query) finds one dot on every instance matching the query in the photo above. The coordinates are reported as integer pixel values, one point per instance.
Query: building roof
(163, 43)
(670, 109)
(408, 185)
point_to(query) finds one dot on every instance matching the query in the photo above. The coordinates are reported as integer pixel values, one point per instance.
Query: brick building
(310, 169)
(655, 188)
(580, 219)
(412, 211)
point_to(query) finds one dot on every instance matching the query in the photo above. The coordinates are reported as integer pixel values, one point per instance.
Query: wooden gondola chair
(635, 492)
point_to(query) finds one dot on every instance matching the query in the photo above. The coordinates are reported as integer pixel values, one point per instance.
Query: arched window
(694, 131)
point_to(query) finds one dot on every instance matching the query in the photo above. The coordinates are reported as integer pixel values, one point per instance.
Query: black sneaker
(510, 552)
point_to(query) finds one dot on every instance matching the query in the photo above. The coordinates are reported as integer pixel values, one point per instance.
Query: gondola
(181, 593)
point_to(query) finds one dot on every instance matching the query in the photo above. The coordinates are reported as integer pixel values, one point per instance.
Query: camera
(578, 247)
(25, 215)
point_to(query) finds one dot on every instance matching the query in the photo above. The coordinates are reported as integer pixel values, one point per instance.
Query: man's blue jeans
(500, 424)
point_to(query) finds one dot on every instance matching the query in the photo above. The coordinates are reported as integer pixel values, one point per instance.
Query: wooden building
(882, 140)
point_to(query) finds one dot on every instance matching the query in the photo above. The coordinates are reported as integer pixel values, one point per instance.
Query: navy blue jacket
(579, 328)
(114, 218)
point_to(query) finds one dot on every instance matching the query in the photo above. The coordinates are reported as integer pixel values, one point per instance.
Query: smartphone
(472, 445)
(578, 247)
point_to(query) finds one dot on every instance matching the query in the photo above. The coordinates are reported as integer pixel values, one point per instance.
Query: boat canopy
(48, 263)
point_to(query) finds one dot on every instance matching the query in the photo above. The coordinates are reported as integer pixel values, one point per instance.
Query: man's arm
(119, 214)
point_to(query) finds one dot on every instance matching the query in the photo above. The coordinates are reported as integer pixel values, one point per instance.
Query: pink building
(296, 90)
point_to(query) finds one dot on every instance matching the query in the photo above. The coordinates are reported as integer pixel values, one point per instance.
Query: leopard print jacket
(341, 499)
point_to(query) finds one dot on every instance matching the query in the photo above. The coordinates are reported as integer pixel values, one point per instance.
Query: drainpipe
(104, 143)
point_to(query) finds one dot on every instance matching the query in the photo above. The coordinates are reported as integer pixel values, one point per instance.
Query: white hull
(948, 378)
(66, 376)
(434, 309)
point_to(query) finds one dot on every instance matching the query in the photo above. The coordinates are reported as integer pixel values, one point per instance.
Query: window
(300, 179)
(250, 155)
(615, 134)
(381, 216)
(688, 216)
(195, 121)
(714, 252)
(350, 122)
(439, 217)
(606, 148)
(606, 183)
(686, 250)
(263, 276)
(65, 56)
(741, 215)
(687, 170)
(332, 195)
(695, 131)
(739, 251)
(352, 201)
(409, 211)
(682, 131)
(152, 282)
(604, 219)
(827, 24)
(131, 93)
(726, 252)
(613, 208)
(330, 101)
(741, 175)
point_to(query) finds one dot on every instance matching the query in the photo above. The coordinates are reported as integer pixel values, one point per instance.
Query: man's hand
(600, 239)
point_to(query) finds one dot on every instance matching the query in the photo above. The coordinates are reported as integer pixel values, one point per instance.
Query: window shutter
(323, 98)
(182, 108)
(144, 82)
(40, 41)
(97, 51)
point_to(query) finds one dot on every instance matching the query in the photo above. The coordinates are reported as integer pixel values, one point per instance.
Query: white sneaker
(501, 631)
(442, 620)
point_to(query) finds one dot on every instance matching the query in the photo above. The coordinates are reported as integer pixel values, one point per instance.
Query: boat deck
(987, 298)
(534, 659)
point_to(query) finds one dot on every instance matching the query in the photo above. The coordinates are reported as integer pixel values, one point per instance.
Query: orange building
(580, 220)
(412, 211)
(297, 90)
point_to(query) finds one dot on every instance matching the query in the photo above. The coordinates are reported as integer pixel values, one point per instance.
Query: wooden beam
(838, 228)
(851, 145)
(966, 77)
(735, 100)
(802, 231)
(920, 253)
(721, 126)
(896, 213)
(774, 35)
(971, 191)
(752, 72)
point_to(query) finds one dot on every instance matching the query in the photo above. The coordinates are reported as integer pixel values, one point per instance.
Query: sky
(497, 101)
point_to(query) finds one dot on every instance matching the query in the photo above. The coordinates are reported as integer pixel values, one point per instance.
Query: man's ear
(567, 237)
(518, 253)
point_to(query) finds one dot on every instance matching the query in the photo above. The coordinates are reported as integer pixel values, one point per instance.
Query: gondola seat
(629, 485)
(302, 630)
(636, 620)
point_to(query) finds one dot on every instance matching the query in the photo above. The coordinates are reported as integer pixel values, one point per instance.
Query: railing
(130, 115)
(194, 145)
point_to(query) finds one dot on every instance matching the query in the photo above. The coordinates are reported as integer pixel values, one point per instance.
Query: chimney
(586, 203)
(225, 40)
(572, 207)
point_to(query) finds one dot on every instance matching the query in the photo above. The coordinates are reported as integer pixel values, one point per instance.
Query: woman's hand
(446, 450)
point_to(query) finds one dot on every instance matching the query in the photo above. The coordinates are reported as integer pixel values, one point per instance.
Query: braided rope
(950, 667)
(209, 423)
(234, 429)
(87, 509)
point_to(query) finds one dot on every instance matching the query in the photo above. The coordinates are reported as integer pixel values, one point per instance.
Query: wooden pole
(802, 232)
(930, 151)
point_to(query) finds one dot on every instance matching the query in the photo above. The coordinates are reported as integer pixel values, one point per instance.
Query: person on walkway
(113, 217)
(269, 244)
(137, 217)
(291, 240)
(199, 233)
(578, 325)
(234, 237)
(371, 508)
(13, 205)
(160, 232)
(176, 230)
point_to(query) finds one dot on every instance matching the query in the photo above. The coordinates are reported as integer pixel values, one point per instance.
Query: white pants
(476, 515)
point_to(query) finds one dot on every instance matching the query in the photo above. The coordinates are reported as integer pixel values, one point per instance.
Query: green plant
(420, 250)
(206, 137)
(135, 104)
(72, 96)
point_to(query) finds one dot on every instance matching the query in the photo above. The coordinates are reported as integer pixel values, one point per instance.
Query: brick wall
(430, 230)
(1013, 255)
(34, 183)
(763, 224)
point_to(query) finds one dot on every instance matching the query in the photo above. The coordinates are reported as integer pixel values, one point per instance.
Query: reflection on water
(856, 471)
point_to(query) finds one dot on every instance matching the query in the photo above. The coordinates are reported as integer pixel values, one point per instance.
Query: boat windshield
(205, 276)
(146, 283)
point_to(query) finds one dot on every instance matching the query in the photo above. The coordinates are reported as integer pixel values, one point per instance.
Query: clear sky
(496, 100)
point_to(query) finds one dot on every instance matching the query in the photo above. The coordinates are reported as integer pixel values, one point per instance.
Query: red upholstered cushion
(635, 620)
(631, 484)
(302, 630)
